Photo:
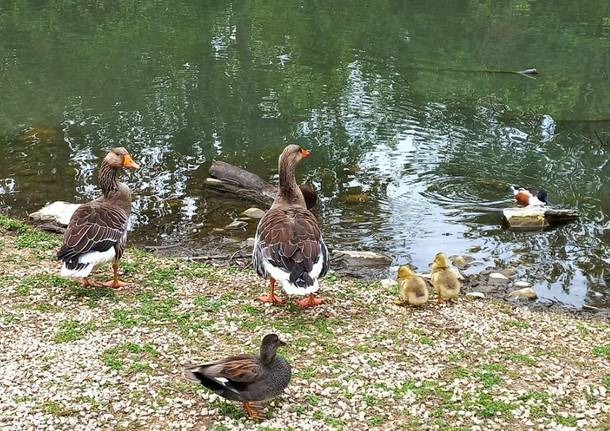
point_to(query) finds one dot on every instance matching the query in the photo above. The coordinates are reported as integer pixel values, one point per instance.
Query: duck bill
(129, 163)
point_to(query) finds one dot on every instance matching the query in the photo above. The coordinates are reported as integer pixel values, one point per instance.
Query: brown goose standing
(288, 246)
(97, 231)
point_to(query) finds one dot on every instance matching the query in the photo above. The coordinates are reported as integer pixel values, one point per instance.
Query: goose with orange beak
(97, 232)
(288, 246)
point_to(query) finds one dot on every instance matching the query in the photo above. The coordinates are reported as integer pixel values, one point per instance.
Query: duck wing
(233, 374)
(289, 247)
(93, 227)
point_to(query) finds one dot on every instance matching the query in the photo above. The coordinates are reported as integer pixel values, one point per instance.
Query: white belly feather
(90, 260)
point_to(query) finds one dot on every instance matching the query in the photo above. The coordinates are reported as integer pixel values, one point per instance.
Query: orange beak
(304, 152)
(129, 163)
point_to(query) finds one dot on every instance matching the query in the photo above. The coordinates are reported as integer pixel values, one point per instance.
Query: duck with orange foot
(288, 246)
(250, 379)
(529, 196)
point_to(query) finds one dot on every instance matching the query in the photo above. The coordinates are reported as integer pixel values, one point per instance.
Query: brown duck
(247, 378)
(97, 231)
(288, 245)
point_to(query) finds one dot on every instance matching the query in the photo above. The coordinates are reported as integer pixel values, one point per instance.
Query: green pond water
(415, 138)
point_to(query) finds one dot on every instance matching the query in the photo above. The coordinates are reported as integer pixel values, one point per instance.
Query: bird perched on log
(247, 378)
(97, 231)
(288, 246)
(529, 196)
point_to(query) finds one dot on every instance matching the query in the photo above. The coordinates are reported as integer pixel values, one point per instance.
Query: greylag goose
(247, 378)
(288, 245)
(97, 231)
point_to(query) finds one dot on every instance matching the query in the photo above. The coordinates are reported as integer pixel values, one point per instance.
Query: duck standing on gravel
(444, 280)
(247, 378)
(529, 196)
(288, 245)
(412, 289)
(97, 231)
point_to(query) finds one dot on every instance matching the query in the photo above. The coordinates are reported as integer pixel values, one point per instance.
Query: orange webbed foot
(254, 411)
(272, 299)
(115, 284)
(310, 301)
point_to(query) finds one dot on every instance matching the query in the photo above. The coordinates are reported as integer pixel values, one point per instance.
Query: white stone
(237, 224)
(59, 212)
(476, 294)
(387, 283)
(527, 292)
(522, 284)
(255, 213)
(498, 276)
(362, 258)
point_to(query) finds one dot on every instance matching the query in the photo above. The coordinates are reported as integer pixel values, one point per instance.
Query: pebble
(255, 213)
(475, 294)
(387, 283)
(237, 224)
(527, 292)
(497, 277)
(522, 284)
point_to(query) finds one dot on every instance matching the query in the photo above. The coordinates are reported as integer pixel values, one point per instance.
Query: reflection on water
(415, 137)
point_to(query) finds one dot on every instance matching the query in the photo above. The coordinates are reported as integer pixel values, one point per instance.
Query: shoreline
(93, 358)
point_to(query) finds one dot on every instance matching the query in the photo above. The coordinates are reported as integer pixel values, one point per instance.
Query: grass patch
(37, 239)
(56, 409)
(568, 421)
(41, 281)
(519, 357)
(226, 408)
(602, 351)
(12, 224)
(110, 358)
(71, 330)
(517, 324)
(535, 395)
(489, 407)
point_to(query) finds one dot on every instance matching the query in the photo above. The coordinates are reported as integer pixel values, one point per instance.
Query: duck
(444, 280)
(529, 196)
(412, 289)
(310, 195)
(247, 378)
(97, 231)
(288, 245)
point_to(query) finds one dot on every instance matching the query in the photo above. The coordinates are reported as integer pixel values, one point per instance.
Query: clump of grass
(229, 409)
(519, 357)
(12, 224)
(517, 324)
(56, 409)
(41, 281)
(110, 358)
(37, 239)
(489, 407)
(568, 421)
(71, 330)
(602, 351)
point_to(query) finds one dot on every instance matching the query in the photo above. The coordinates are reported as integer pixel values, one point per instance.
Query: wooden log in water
(537, 217)
(232, 179)
(227, 178)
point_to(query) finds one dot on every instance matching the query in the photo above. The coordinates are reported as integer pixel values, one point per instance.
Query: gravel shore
(95, 359)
